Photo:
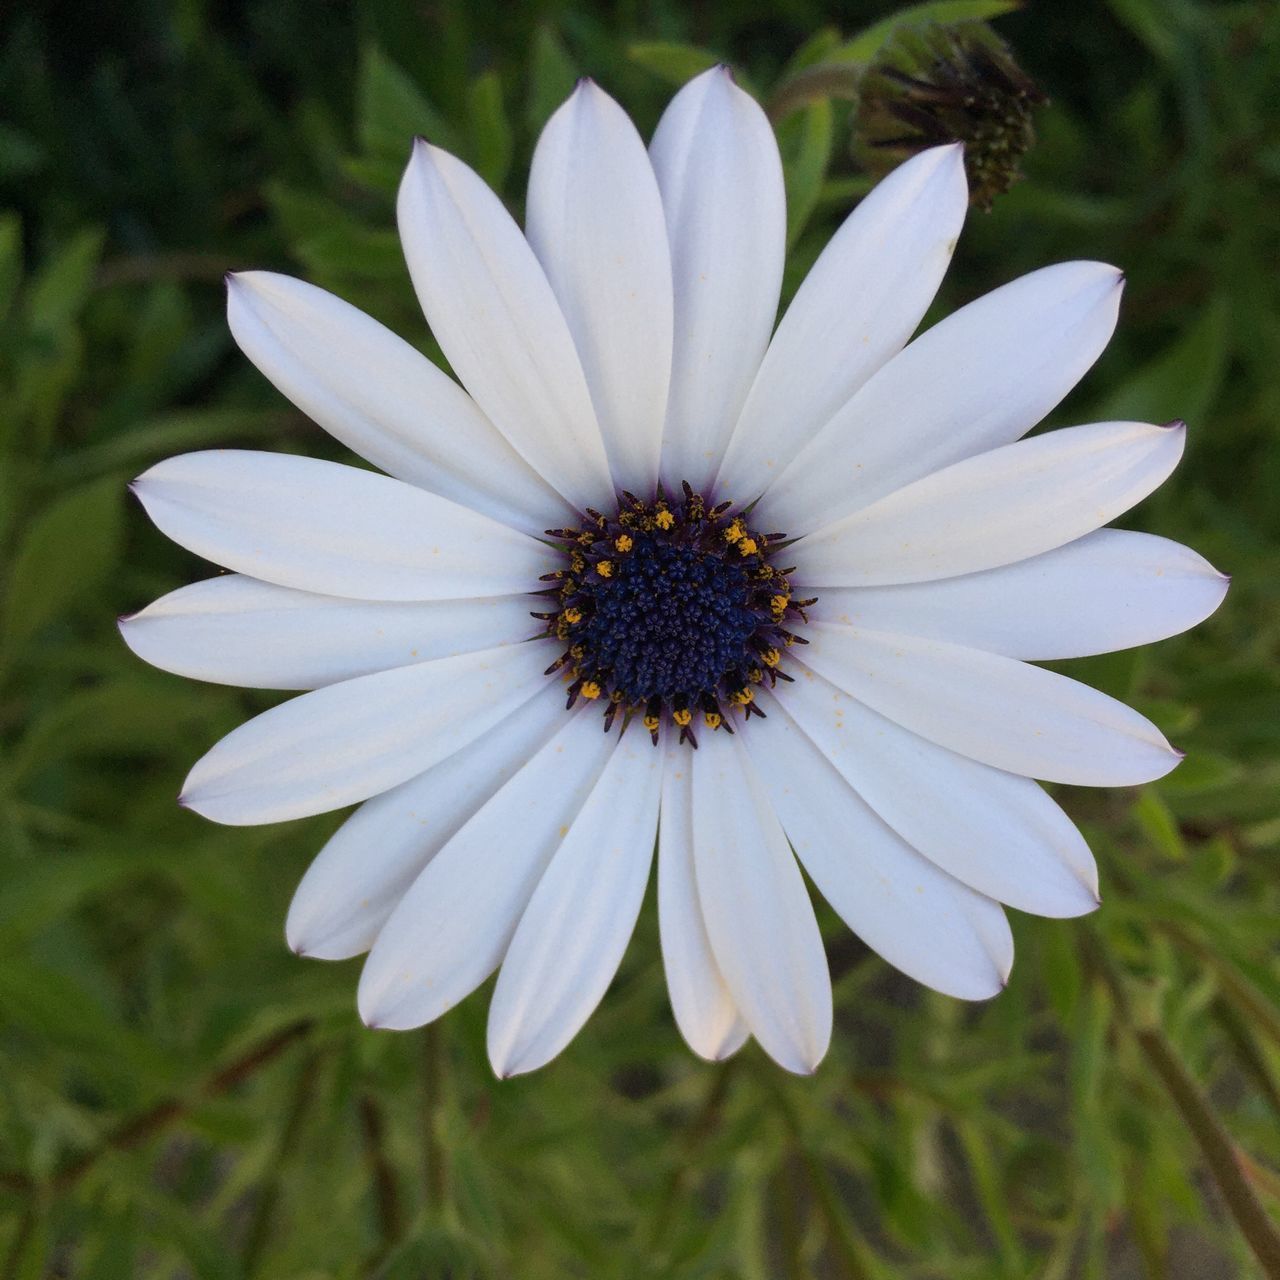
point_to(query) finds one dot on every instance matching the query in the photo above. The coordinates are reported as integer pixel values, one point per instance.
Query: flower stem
(147, 1124)
(260, 1224)
(373, 1127)
(434, 1166)
(1225, 1163)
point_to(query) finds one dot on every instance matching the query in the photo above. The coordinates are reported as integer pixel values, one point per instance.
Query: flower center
(671, 609)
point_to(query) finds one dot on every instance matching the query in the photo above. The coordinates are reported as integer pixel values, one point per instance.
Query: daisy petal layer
(721, 181)
(454, 925)
(353, 740)
(1004, 713)
(1000, 507)
(859, 304)
(704, 1010)
(979, 379)
(997, 832)
(1109, 590)
(237, 630)
(358, 878)
(935, 929)
(757, 910)
(381, 398)
(319, 526)
(595, 221)
(571, 937)
(497, 320)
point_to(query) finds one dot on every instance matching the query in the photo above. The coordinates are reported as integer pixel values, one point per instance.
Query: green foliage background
(180, 1096)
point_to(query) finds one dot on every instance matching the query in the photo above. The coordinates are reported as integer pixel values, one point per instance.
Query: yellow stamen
(747, 547)
(651, 723)
(605, 568)
(664, 519)
(755, 675)
(590, 689)
(771, 657)
(573, 616)
(623, 542)
(743, 696)
(735, 532)
(713, 719)
(682, 717)
(779, 603)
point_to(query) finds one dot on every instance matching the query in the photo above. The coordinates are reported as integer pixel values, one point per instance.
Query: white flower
(625, 342)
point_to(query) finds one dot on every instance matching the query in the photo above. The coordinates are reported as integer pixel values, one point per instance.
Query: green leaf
(391, 111)
(552, 75)
(1160, 826)
(675, 63)
(119, 717)
(866, 44)
(67, 554)
(10, 260)
(491, 140)
(1183, 381)
(806, 139)
(167, 433)
(59, 290)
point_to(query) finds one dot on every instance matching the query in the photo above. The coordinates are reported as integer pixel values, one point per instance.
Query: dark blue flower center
(670, 609)
(672, 620)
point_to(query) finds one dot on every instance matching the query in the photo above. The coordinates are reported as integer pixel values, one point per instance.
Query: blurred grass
(179, 1096)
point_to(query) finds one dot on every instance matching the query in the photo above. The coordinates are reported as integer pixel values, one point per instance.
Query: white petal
(935, 929)
(320, 526)
(452, 928)
(497, 321)
(1005, 713)
(704, 1010)
(997, 508)
(382, 398)
(571, 937)
(1108, 590)
(356, 739)
(721, 181)
(757, 910)
(997, 832)
(979, 379)
(360, 875)
(237, 630)
(595, 221)
(859, 304)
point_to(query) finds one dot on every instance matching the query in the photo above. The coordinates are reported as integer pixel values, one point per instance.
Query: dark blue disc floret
(670, 609)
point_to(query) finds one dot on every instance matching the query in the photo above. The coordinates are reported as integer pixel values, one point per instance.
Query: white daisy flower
(824, 555)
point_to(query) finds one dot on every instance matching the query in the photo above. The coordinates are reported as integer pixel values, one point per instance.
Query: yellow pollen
(747, 547)
(605, 569)
(712, 718)
(735, 532)
(682, 717)
(743, 696)
(779, 603)
(578, 652)
(664, 519)
(771, 657)
(590, 689)
(651, 723)
(755, 675)
(623, 542)
(573, 616)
